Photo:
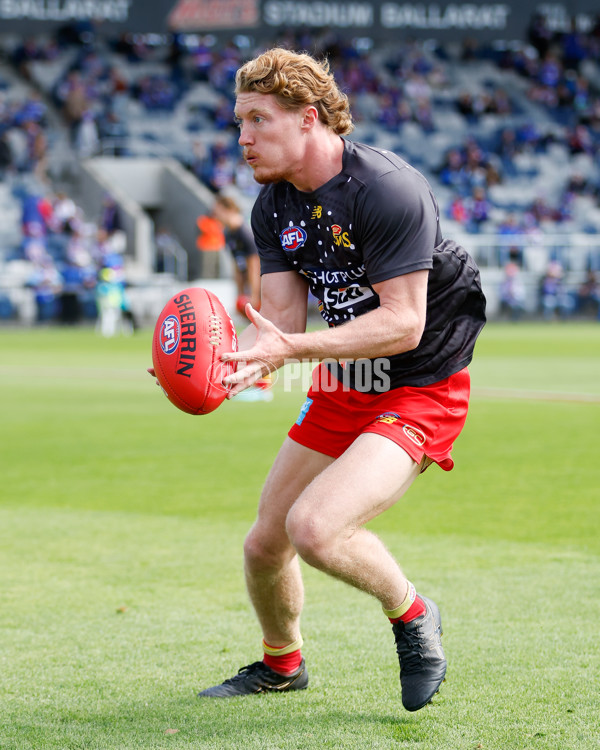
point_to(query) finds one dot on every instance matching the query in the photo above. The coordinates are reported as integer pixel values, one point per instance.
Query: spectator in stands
(574, 47)
(6, 156)
(24, 53)
(223, 114)
(77, 251)
(110, 298)
(540, 211)
(72, 97)
(33, 222)
(478, 209)
(513, 254)
(539, 34)
(64, 213)
(580, 141)
(73, 277)
(240, 242)
(389, 116)
(109, 216)
(458, 211)
(452, 172)
(87, 140)
(512, 292)
(391, 87)
(554, 297)
(587, 298)
(221, 173)
(166, 251)
(423, 115)
(46, 284)
(209, 242)
(202, 58)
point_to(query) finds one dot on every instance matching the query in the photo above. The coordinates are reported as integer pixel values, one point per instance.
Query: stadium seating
(505, 153)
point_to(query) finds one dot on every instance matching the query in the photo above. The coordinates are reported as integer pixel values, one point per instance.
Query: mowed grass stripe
(113, 621)
(121, 530)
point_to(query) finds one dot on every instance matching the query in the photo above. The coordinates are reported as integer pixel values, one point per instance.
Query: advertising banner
(266, 19)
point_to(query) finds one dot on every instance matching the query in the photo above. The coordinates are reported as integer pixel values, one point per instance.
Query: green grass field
(122, 594)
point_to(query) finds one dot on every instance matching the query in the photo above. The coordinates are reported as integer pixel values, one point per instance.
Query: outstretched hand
(266, 355)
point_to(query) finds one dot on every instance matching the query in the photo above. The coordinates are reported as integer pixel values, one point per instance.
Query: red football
(191, 334)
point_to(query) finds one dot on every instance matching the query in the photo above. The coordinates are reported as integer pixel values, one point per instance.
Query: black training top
(375, 220)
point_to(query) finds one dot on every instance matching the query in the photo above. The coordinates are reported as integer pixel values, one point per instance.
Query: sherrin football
(191, 333)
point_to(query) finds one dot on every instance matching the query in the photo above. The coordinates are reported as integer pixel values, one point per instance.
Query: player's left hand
(266, 355)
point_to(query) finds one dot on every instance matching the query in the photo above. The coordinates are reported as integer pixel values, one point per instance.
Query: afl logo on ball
(169, 334)
(292, 238)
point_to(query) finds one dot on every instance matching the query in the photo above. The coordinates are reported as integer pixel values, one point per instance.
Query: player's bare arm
(284, 306)
(394, 327)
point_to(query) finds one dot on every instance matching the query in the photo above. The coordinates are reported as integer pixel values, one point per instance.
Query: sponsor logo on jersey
(389, 417)
(348, 296)
(340, 237)
(304, 410)
(169, 334)
(412, 433)
(292, 238)
(334, 277)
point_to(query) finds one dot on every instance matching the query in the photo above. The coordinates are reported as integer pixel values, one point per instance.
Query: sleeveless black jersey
(375, 220)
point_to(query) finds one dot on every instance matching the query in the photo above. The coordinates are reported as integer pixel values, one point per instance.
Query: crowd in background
(71, 252)
(76, 264)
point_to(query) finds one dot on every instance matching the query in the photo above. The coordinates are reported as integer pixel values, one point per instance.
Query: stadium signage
(66, 10)
(453, 16)
(391, 15)
(337, 15)
(264, 19)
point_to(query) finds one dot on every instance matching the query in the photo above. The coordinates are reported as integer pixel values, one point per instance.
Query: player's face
(270, 136)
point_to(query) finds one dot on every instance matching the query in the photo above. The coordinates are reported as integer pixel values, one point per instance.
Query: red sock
(285, 664)
(416, 609)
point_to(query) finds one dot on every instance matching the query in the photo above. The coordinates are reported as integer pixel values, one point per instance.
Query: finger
(236, 388)
(236, 356)
(252, 313)
(152, 372)
(245, 375)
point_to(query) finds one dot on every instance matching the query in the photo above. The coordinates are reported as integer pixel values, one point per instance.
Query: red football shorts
(423, 420)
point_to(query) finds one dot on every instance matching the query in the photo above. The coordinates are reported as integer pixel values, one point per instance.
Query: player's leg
(326, 526)
(271, 565)
(273, 579)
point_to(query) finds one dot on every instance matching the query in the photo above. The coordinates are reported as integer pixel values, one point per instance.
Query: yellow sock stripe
(283, 650)
(404, 607)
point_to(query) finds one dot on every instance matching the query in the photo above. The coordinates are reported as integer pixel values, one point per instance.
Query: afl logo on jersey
(292, 238)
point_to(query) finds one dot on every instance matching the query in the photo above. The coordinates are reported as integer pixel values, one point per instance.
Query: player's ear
(310, 117)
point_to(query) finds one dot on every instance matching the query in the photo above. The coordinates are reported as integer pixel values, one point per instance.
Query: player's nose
(245, 138)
